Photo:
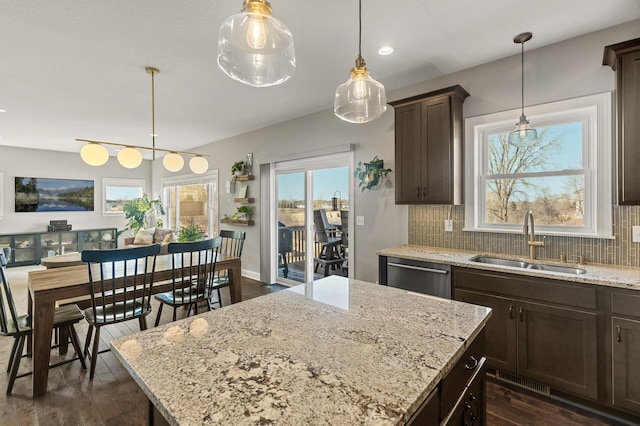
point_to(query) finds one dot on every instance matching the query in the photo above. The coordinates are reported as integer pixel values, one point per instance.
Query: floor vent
(523, 383)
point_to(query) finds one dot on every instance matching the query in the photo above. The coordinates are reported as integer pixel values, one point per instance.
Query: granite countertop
(611, 276)
(334, 351)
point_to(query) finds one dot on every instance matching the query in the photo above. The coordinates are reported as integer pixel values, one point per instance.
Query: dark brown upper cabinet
(624, 58)
(429, 147)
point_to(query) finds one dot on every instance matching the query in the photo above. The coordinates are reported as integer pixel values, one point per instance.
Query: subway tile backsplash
(426, 227)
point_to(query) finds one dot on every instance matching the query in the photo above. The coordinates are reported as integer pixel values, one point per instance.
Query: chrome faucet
(532, 243)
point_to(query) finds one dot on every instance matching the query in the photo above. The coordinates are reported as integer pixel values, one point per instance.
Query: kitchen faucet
(532, 243)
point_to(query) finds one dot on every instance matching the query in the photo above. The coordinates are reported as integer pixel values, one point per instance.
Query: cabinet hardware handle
(418, 192)
(424, 192)
(510, 311)
(520, 311)
(472, 364)
(619, 330)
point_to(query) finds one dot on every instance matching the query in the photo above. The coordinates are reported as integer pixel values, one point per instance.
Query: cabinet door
(557, 346)
(629, 129)
(437, 151)
(626, 363)
(408, 158)
(501, 335)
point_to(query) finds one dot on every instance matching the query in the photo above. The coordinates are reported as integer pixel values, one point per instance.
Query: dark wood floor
(112, 398)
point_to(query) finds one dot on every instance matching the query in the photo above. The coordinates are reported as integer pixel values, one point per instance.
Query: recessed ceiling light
(153, 134)
(3, 110)
(385, 50)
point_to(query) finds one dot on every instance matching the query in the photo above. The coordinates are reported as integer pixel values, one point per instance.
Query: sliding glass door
(318, 185)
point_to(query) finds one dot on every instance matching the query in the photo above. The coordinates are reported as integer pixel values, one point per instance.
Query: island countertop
(334, 351)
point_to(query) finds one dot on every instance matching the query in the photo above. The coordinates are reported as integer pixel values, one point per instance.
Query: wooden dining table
(46, 287)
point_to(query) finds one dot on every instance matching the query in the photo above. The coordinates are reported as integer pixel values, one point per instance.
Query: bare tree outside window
(537, 177)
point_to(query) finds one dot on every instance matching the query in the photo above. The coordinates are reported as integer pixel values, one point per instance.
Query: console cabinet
(428, 147)
(543, 330)
(30, 248)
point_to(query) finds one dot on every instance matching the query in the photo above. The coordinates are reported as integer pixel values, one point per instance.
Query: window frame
(120, 182)
(595, 112)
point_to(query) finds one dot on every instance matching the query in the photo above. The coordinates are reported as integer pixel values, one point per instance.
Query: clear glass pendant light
(255, 48)
(360, 99)
(523, 135)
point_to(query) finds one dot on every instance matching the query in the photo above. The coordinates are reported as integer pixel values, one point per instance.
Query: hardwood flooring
(113, 398)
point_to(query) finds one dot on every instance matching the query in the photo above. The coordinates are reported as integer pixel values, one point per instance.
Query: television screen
(53, 195)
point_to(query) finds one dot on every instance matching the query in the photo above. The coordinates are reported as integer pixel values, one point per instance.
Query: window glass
(118, 191)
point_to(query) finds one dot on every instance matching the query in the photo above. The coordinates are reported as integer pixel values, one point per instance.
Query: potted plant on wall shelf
(372, 174)
(237, 169)
(242, 214)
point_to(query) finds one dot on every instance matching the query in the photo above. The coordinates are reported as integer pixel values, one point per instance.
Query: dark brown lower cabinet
(500, 332)
(558, 346)
(626, 363)
(540, 339)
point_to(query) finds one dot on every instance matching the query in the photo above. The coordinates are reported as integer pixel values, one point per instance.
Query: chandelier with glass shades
(360, 99)
(95, 154)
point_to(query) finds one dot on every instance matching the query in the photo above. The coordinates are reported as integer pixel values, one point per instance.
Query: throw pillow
(144, 236)
(170, 237)
(160, 234)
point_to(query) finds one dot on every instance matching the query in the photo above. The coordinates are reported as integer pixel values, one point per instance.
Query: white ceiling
(76, 68)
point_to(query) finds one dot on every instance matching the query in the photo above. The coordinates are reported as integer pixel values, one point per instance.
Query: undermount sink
(525, 265)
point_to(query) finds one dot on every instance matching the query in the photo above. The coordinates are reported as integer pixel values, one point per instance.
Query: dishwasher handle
(418, 268)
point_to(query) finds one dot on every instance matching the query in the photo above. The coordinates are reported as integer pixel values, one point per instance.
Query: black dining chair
(344, 240)
(193, 271)
(232, 245)
(329, 253)
(19, 327)
(120, 281)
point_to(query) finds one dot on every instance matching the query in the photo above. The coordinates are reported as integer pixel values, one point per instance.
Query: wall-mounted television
(53, 195)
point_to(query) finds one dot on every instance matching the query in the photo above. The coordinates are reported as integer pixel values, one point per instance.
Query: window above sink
(564, 177)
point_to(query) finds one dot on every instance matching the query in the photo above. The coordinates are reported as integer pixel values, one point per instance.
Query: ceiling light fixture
(255, 48)
(95, 154)
(523, 134)
(385, 50)
(360, 99)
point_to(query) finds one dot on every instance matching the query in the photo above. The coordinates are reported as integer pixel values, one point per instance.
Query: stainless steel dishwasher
(414, 275)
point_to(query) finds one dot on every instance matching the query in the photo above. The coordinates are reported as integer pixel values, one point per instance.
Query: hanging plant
(372, 174)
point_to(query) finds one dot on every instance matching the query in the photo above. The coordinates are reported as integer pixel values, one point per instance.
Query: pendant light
(523, 135)
(95, 154)
(255, 48)
(360, 99)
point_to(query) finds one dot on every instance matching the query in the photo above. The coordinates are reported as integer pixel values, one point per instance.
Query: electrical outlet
(635, 234)
(360, 220)
(448, 226)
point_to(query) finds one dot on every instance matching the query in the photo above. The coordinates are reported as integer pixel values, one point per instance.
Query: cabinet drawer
(470, 408)
(524, 287)
(625, 303)
(462, 372)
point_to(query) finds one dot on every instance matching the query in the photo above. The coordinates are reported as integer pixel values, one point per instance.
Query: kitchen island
(334, 351)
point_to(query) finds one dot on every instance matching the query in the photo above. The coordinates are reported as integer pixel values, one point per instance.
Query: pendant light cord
(153, 113)
(522, 75)
(359, 27)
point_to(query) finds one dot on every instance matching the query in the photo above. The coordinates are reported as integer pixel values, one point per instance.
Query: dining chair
(232, 245)
(120, 282)
(19, 327)
(329, 253)
(193, 271)
(344, 239)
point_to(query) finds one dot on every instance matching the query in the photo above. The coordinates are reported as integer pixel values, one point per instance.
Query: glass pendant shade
(198, 165)
(129, 157)
(94, 154)
(173, 162)
(360, 99)
(255, 48)
(523, 134)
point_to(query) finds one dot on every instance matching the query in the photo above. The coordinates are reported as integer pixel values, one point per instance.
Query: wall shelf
(244, 177)
(244, 200)
(238, 222)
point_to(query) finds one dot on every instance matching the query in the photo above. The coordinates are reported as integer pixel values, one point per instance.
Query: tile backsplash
(426, 227)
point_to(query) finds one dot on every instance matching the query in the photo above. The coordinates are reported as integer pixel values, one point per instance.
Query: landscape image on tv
(53, 195)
